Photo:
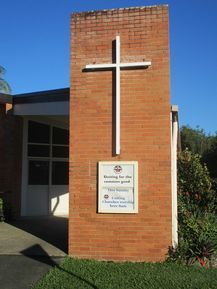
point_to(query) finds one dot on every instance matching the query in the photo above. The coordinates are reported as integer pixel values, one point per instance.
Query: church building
(103, 151)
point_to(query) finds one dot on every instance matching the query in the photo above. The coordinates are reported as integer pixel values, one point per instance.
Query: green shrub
(197, 220)
(194, 182)
(214, 197)
(197, 237)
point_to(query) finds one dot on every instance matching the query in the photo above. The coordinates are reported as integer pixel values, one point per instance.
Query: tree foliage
(4, 86)
(210, 158)
(198, 142)
(195, 140)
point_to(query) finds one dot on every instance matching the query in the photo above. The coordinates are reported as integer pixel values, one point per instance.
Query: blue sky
(34, 49)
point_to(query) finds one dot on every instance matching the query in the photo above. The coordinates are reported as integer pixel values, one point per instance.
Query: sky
(35, 44)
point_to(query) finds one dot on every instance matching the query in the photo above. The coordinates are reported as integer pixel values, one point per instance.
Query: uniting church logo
(118, 169)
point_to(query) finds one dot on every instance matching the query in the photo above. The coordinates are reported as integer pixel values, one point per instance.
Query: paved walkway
(29, 248)
(21, 272)
(34, 236)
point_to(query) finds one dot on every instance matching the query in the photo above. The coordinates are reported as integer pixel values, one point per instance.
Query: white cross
(117, 66)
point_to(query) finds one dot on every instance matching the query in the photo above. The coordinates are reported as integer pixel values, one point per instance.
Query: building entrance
(45, 169)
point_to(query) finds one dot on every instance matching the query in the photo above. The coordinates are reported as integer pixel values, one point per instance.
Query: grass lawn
(76, 274)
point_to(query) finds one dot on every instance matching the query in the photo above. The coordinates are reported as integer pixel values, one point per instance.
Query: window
(60, 175)
(48, 149)
(38, 132)
(38, 172)
(60, 151)
(38, 150)
(60, 136)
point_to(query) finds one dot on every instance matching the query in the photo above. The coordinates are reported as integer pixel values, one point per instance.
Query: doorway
(45, 168)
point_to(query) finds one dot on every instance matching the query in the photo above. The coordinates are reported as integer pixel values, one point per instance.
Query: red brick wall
(10, 159)
(145, 133)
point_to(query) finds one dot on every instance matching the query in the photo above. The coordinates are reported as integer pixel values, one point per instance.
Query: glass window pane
(60, 173)
(38, 150)
(38, 172)
(38, 132)
(60, 152)
(60, 136)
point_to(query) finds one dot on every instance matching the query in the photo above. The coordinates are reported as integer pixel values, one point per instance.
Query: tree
(4, 86)
(210, 158)
(195, 140)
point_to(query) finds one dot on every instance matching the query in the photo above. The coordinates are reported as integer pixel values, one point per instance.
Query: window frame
(49, 158)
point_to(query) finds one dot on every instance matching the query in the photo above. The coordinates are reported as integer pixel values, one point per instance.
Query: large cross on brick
(117, 66)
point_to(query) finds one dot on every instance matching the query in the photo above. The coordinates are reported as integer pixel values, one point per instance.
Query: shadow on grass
(36, 252)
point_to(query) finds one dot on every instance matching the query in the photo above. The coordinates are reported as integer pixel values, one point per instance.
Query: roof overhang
(50, 102)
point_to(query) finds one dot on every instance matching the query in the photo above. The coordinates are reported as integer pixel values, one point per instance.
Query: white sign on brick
(118, 187)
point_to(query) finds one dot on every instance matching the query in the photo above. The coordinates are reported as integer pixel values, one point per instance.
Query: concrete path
(34, 236)
(29, 248)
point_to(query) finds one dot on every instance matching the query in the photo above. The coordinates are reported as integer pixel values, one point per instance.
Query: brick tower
(144, 132)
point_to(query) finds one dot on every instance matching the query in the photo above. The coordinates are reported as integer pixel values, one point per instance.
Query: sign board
(118, 187)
